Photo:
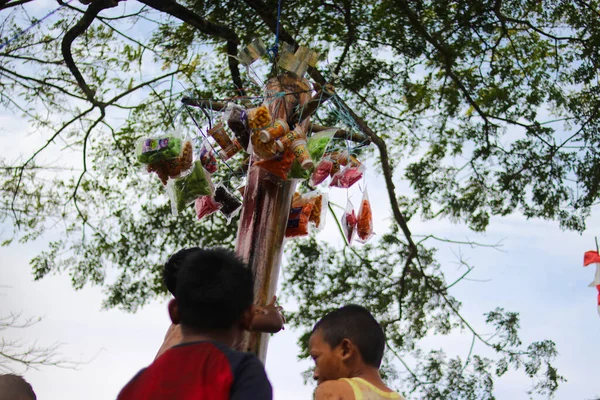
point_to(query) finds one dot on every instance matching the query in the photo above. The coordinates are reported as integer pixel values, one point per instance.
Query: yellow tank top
(364, 390)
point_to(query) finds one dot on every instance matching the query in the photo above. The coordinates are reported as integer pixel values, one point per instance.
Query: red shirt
(200, 370)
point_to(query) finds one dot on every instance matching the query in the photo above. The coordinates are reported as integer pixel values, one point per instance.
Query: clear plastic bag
(349, 222)
(364, 225)
(175, 167)
(298, 220)
(207, 157)
(321, 172)
(184, 190)
(259, 117)
(279, 165)
(152, 150)
(237, 120)
(347, 176)
(319, 211)
(205, 206)
(231, 205)
(228, 146)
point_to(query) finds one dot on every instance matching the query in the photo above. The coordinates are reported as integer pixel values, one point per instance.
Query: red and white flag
(592, 257)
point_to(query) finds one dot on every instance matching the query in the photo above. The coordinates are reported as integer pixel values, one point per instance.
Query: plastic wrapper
(279, 128)
(298, 220)
(175, 167)
(319, 142)
(259, 117)
(228, 147)
(184, 190)
(207, 158)
(349, 222)
(347, 176)
(279, 165)
(364, 225)
(231, 205)
(205, 206)
(153, 150)
(285, 141)
(237, 120)
(263, 150)
(321, 172)
(317, 215)
(340, 159)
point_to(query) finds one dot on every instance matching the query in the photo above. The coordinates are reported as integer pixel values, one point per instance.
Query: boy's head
(173, 265)
(343, 340)
(214, 292)
(14, 387)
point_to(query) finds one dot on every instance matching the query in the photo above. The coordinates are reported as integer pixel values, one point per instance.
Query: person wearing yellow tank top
(347, 347)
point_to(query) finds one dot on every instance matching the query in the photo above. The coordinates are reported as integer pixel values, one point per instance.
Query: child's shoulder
(334, 390)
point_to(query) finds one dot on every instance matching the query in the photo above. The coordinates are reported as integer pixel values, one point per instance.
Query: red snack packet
(349, 222)
(206, 205)
(347, 177)
(321, 172)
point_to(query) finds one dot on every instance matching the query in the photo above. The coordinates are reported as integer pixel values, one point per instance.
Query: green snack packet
(152, 150)
(317, 145)
(183, 191)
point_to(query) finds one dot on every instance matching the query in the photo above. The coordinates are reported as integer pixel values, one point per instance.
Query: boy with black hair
(265, 318)
(213, 305)
(14, 387)
(347, 346)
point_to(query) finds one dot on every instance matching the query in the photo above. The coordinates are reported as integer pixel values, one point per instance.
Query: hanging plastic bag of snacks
(207, 157)
(185, 189)
(319, 210)
(364, 225)
(174, 167)
(231, 205)
(279, 165)
(349, 222)
(321, 172)
(205, 206)
(237, 120)
(341, 159)
(259, 117)
(228, 147)
(347, 176)
(319, 143)
(152, 150)
(297, 224)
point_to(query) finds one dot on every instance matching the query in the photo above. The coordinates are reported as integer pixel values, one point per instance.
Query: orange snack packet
(364, 225)
(278, 166)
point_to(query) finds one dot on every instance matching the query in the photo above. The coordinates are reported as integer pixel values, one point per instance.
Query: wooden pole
(260, 237)
(266, 207)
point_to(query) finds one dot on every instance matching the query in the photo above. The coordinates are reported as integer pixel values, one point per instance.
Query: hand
(268, 318)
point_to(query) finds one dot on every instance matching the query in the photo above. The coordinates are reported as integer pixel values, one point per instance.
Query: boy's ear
(347, 349)
(174, 312)
(246, 322)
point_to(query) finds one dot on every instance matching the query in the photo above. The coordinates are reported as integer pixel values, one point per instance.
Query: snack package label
(294, 219)
(151, 145)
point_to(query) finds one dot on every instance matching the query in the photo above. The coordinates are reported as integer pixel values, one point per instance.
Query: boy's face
(329, 362)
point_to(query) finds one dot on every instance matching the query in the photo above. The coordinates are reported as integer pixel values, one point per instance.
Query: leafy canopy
(491, 106)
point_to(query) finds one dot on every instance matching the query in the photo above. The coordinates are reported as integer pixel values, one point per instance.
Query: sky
(537, 272)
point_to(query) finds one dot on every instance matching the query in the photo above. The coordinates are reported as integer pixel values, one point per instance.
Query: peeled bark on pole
(265, 210)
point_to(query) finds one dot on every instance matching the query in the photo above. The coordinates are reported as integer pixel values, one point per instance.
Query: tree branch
(6, 4)
(208, 28)
(80, 27)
